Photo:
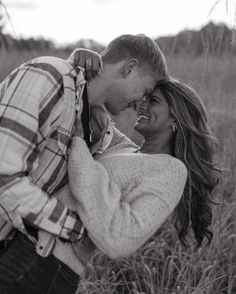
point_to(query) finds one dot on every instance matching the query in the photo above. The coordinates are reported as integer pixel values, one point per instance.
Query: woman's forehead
(157, 92)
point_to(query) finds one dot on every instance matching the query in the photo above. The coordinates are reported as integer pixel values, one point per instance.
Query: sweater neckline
(138, 151)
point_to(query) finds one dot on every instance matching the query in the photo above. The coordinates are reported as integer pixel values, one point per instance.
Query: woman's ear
(129, 67)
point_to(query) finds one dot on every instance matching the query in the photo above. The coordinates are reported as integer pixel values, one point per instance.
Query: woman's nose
(144, 104)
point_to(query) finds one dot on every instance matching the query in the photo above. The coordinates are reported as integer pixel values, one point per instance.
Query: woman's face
(154, 116)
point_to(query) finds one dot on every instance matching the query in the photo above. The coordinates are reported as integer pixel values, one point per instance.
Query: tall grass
(162, 265)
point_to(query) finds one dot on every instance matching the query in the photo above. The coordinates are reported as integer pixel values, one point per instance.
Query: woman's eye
(154, 100)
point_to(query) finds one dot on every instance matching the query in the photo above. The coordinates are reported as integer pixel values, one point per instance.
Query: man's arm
(30, 108)
(92, 63)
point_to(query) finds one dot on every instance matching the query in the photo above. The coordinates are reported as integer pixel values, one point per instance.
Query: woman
(126, 194)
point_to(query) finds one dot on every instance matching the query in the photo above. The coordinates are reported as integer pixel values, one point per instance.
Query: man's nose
(134, 105)
(138, 104)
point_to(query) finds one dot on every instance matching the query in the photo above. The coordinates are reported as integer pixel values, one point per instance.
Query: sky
(67, 21)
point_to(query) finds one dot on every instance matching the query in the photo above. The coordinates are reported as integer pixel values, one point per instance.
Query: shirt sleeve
(116, 225)
(30, 105)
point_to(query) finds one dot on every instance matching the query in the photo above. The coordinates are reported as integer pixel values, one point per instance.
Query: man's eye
(146, 93)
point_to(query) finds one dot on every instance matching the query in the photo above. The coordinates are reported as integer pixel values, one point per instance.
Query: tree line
(211, 39)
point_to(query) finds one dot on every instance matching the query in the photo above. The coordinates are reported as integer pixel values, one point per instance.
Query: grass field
(162, 265)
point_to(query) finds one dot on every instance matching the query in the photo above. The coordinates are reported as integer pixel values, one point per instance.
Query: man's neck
(93, 93)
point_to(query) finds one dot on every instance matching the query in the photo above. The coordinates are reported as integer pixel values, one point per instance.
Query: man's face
(125, 92)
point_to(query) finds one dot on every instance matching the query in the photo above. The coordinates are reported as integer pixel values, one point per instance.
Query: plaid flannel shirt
(38, 103)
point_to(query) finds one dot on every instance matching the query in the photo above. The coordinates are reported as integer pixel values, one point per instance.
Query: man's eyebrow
(147, 92)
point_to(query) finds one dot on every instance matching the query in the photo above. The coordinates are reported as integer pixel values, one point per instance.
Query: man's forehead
(156, 76)
(153, 81)
(153, 76)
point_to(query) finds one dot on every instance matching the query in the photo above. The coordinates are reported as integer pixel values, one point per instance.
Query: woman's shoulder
(169, 176)
(170, 163)
(176, 162)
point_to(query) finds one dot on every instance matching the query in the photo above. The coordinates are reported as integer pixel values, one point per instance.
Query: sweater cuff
(80, 147)
(77, 142)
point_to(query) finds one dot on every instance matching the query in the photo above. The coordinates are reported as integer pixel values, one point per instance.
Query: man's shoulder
(55, 66)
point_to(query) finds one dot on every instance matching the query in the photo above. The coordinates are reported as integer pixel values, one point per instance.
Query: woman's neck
(156, 147)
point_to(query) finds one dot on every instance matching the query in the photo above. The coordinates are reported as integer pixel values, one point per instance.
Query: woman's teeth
(143, 116)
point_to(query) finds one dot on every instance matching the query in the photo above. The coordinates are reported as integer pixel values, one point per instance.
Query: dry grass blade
(213, 7)
(8, 16)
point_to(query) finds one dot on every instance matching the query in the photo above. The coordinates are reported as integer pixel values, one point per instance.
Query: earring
(173, 128)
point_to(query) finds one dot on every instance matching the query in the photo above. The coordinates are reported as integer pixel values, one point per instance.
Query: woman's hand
(88, 59)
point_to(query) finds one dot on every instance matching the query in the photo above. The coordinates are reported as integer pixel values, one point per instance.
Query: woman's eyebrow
(156, 96)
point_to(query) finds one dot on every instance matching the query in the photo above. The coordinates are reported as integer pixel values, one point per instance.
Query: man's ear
(129, 66)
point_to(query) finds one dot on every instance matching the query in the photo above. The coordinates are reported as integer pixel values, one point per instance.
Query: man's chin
(112, 110)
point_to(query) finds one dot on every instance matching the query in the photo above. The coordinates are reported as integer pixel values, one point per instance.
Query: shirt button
(41, 247)
(108, 132)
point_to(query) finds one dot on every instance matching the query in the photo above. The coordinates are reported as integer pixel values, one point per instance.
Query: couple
(71, 182)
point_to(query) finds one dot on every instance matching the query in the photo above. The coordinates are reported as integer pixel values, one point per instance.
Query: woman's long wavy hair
(195, 146)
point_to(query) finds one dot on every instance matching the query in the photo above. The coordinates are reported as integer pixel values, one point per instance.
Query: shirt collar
(105, 125)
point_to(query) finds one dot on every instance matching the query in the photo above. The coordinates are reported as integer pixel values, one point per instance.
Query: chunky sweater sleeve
(117, 226)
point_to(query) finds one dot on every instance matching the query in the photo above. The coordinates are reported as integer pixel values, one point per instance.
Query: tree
(2, 18)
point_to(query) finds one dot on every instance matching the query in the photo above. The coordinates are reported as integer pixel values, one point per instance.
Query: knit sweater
(101, 125)
(123, 198)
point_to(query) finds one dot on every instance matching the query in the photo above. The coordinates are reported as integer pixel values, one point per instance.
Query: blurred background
(198, 39)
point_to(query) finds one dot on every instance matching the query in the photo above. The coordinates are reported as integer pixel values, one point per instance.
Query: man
(39, 103)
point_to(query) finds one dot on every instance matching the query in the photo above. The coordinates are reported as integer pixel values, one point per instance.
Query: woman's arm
(116, 226)
(88, 59)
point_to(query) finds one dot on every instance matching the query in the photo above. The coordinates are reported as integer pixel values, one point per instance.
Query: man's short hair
(141, 47)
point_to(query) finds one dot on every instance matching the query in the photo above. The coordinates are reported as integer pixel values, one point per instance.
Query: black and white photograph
(117, 147)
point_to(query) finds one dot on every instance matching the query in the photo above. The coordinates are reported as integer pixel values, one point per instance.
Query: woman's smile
(143, 115)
